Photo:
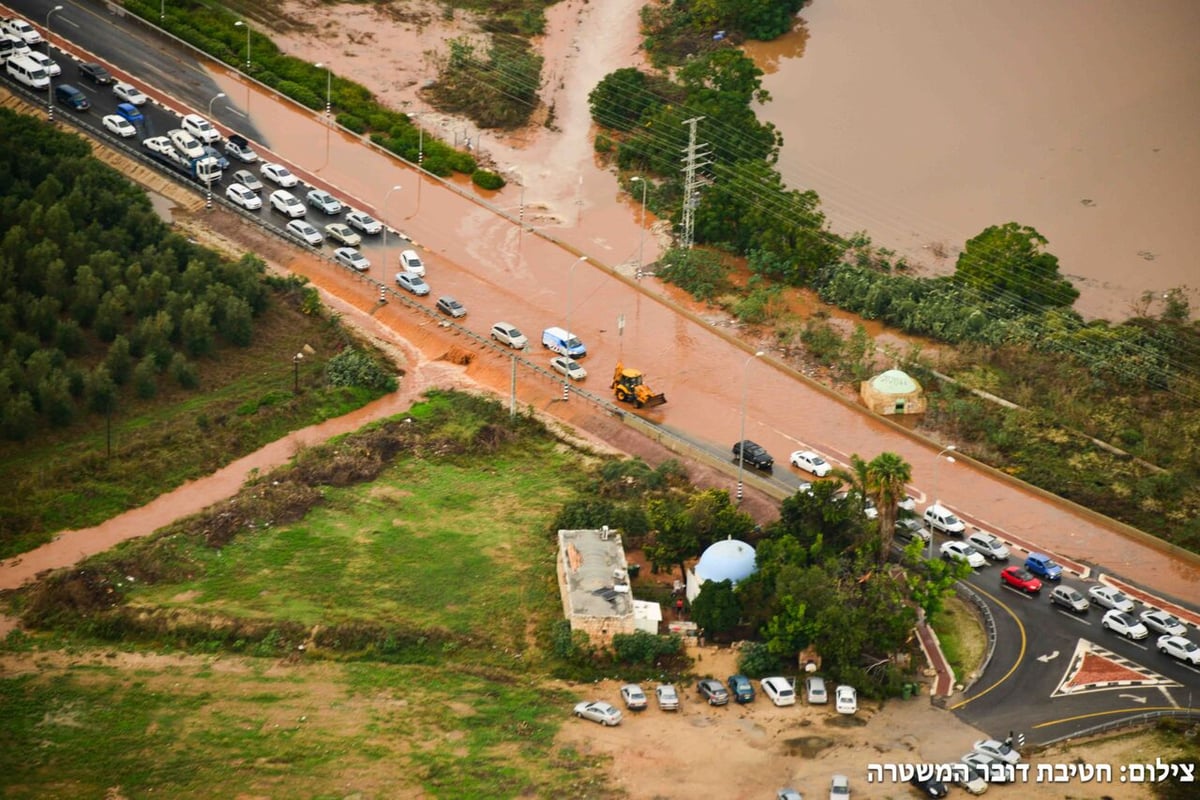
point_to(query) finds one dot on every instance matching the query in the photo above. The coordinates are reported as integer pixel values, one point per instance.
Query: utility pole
(694, 158)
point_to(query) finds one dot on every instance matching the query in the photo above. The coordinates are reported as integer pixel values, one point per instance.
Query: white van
(28, 72)
(563, 342)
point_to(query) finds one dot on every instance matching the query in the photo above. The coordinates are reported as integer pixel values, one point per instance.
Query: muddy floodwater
(925, 121)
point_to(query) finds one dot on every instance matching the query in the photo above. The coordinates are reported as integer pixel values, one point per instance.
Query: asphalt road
(1037, 646)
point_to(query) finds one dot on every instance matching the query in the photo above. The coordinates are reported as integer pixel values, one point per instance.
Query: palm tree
(884, 481)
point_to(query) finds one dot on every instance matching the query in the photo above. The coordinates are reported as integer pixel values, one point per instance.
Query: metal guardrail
(989, 624)
(1136, 721)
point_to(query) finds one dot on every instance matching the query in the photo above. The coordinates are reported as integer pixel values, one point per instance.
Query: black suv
(753, 455)
(96, 74)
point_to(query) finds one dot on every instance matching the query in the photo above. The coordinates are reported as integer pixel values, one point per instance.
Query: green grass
(66, 479)
(961, 636)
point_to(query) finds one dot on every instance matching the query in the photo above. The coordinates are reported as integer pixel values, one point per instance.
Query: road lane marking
(1069, 615)
(1016, 664)
(1076, 718)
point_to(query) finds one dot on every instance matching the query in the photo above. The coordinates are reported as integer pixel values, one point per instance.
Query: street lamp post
(241, 24)
(385, 229)
(296, 359)
(641, 225)
(162, 12)
(328, 106)
(936, 461)
(216, 97)
(50, 82)
(742, 435)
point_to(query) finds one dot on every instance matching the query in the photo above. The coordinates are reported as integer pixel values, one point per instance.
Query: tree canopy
(1009, 263)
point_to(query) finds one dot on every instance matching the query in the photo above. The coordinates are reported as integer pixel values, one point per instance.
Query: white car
(814, 690)
(299, 229)
(809, 461)
(412, 283)
(238, 147)
(1162, 622)
(411, 262)
(998, 751)
(45, 62)
(1181, 648)
(158, 144)
(364, 222)
(1125, 624)
(119, 126)
(845, 699)
(342, 233)
(278, 174)
(1110, 598)
(569, 367)
(243, 197)
(973, 779)
(128, 93)
(909, 503)
(287, 204)
(668, 698)
(348, 256)
(185, 143)
(511, 335)
(599, 711)
(989, 544)
(22, 30)
(324, 202)
(779, 690)
(939, 518)
(839, 787)
(961, 551)
(634, 697)
(247, 178)
(201, 128)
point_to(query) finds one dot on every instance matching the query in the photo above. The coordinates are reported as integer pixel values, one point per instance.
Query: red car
(1020, 578)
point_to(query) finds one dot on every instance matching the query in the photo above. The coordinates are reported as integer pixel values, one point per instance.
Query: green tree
(716, 609)
(621, 98)
(886, 476)
(1009, 263)
(673, 540)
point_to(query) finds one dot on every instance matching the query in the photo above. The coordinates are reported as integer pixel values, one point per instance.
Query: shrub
(486, 179)
(645, 648)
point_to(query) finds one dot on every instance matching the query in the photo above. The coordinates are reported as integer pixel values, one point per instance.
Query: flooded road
(925, 121)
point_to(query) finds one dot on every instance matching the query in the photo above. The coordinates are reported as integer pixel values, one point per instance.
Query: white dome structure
(727, 560)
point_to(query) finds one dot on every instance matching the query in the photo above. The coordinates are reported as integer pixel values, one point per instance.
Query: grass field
(448, 550)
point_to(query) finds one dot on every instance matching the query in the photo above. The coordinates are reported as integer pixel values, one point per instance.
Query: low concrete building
(593, 580)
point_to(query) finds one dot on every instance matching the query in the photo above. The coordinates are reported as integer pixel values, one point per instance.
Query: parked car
(128, 93)
(1070, 599)
(908, 528)
(997, 750)
(961, 551)
(569, 367)
(712, 691)
(634, 697)
(1020, 578)
(909, 503)
(238, 147)
(352, 258)
(338, 232)
(450, 307)
(939, 518)
(599, 711)
(741, 688)
(45, 62)
(1043, 566)
(248, 179)
(780, 690)
(1178, 647)
(22, 30)
(972, 779)
(995, 770)
(279, 175)
(185, 143)
(286, 203)
(201, 128)
(411, 262)
(1123, 623)
(753, 454)
(96, 73)
(364, 222)
(412, 283)
(839, 787)
(1110, 598)
(788, 793)
(118, 126)
(668, 698)
(809, 461)
(814, 690)
(509, 334)
(243, 197)
(299, 229)
(845, 699)
(990, 545)
(323, 201)
(1162, 622)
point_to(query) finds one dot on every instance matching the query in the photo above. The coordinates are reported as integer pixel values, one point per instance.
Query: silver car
(1110, 598)
(306, 233)
(668, 698)
(342, 233)
(364, 222)
(599, 711)
(814, 690)
(324, 201)
(569, 367)
(989, 544)
(449, 306)
(248, 179)
(511, 335)
(412, 283)
(349, 257)
(1162, 622)
(1070, 599)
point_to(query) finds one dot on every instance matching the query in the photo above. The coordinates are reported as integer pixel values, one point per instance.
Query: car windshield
(574, 342)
